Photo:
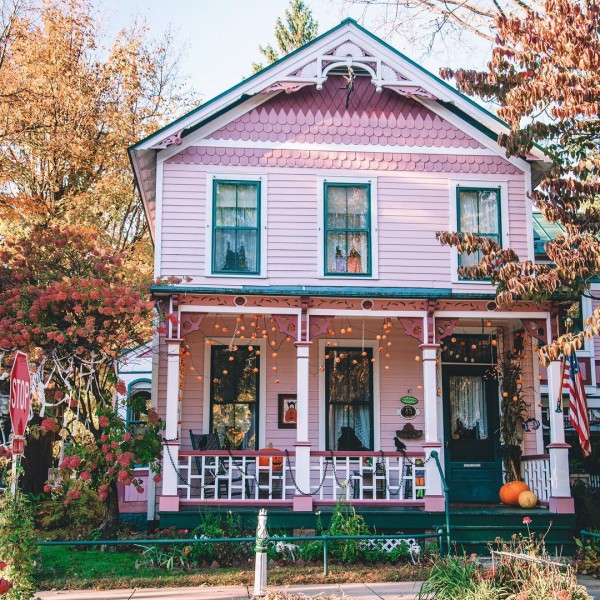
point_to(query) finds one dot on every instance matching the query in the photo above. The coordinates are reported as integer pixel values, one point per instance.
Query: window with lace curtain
(478, 211)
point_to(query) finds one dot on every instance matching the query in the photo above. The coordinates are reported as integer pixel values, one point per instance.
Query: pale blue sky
(222, 36)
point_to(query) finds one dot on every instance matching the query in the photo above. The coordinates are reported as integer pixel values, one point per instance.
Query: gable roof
(346, 45)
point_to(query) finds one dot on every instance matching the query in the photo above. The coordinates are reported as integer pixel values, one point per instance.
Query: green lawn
(63, 567)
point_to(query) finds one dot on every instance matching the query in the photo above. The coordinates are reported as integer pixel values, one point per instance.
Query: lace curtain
(468, 407)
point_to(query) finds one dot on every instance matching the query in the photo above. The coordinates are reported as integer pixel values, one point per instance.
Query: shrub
(18, 545)
(345, 521)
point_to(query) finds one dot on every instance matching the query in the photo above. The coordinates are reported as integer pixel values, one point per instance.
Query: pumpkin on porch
(527, 499)
(277, 461)
(509, 492)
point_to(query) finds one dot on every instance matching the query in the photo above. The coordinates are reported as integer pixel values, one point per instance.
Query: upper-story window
(236, 227)
(347, 229)
(478, 213)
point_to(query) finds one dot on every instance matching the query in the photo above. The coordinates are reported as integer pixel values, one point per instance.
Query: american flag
(578, 414)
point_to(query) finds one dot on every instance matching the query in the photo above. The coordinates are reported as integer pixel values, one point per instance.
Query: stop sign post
(20, 404)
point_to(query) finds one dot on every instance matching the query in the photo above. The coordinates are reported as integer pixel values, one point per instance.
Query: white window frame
(351, 343)
(211, 178)
(372, 183)
(262, 385)
(453, 184)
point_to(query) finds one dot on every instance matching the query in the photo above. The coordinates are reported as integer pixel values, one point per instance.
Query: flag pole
(562, 384)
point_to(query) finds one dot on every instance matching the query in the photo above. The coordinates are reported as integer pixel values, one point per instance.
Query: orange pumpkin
(509, 492)
(277, 461)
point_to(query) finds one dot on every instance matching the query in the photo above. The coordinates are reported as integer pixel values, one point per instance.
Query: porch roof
(324, 291)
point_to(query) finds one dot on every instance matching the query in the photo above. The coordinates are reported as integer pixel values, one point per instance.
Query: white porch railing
(368, 477)
(536, 474)
(217, 476)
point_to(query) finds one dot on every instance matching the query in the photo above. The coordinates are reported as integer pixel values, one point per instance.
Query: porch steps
(473, 530)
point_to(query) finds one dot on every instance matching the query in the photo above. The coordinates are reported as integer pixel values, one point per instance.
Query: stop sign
(20, 393)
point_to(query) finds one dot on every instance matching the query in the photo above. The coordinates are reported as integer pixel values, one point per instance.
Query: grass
(62, 567)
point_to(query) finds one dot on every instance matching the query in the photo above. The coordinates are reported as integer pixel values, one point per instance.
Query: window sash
(236, 227)
(365, 405)
(475, 222)
(347, 236)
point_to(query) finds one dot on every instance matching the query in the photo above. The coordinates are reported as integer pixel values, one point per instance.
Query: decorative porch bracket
(287, 325)
(536, 328)
(438, 329)
(191, 322)
(319, 326)
(412, 328)
(444, 328)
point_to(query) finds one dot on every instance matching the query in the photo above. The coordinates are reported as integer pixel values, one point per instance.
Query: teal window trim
(237, 182)
(479, 189)
(233, 367)
(366, 231)
(330, 444)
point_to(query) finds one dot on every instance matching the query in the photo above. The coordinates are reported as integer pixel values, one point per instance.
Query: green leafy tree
(296, 29)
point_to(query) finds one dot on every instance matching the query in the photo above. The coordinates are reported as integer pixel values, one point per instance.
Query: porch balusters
(169, 500)
(302, 445)
(560, 500)
(434, 496)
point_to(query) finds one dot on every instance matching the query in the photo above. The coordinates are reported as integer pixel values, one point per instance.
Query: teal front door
(471, 429)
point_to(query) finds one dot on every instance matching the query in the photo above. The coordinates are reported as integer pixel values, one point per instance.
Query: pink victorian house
(322, 344)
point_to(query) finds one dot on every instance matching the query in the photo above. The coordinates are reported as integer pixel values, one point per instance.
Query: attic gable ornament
(349, 60)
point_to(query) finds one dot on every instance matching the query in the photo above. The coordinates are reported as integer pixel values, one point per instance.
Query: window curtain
(468, 407)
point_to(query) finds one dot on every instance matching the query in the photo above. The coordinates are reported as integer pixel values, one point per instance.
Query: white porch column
(560, 500)
(302, 445)
(434, 495)
(169, 499)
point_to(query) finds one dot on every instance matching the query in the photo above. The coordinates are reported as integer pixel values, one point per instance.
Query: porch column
(434, 495)
(169, 499)
(302, 445)
(560, 500)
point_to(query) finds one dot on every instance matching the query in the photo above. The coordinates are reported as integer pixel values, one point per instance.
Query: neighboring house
(134, 368)
(321, 315)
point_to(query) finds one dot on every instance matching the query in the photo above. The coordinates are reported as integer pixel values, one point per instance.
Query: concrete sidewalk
(407, 590)
(355, 591)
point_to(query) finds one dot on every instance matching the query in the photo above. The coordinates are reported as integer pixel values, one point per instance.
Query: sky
(221, 37)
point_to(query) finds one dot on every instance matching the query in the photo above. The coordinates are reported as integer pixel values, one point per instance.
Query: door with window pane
(471, 419)
(349, 398)
(234, 400)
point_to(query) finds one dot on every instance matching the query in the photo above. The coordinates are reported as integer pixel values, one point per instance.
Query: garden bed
(67, 568)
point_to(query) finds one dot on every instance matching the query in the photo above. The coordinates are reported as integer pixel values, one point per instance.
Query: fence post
(260, 565)
(325, 556)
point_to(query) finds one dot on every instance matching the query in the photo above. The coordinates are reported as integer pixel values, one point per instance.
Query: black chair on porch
(216, 467)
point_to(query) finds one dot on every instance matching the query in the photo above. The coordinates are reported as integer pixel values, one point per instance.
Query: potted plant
(513, 411)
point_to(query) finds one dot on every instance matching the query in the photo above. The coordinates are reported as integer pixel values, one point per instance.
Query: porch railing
(220, 475)
(368, 477)
(536, 474)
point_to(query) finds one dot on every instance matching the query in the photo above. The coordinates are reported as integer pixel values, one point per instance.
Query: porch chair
(218, 469)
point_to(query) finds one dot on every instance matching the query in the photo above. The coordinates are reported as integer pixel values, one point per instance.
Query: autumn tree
(544, 75)
(428, 20)
(68, 300)
(69, 108)
(298, 29)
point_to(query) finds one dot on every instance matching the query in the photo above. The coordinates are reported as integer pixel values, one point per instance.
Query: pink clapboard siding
(411, 208)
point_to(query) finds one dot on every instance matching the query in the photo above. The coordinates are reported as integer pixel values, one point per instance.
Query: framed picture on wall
(287, 411)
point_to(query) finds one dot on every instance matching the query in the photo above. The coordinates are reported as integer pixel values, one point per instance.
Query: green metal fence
(326, 539)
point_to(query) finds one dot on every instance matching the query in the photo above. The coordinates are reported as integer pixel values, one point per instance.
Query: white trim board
(396, 149)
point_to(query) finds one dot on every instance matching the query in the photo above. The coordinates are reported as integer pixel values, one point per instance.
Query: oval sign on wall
(409, 412)
(409, 400)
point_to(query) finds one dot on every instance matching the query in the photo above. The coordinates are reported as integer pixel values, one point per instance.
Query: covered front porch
(297, 402)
